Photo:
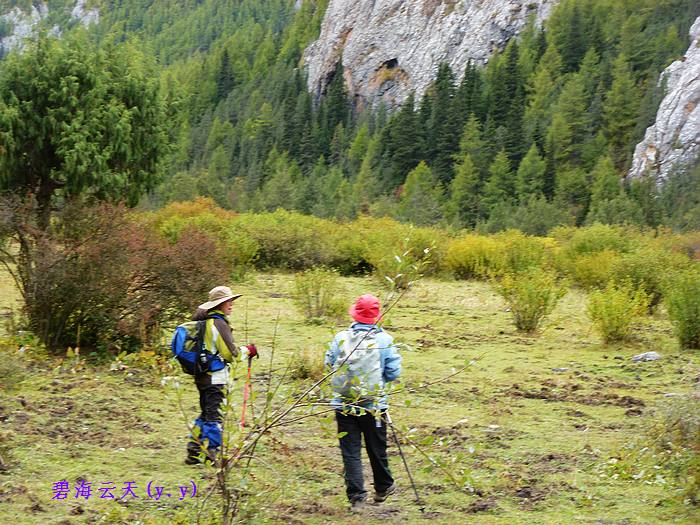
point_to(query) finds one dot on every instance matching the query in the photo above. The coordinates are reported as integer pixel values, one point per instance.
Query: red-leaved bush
(102, 279)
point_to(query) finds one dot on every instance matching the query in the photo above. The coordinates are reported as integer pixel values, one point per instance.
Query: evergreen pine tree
(462, 206)
(620, 112)
(468, 98)
(606, 182)
(507, 101)
(568, 129)
(365, 187)
(403, 143)
(566, 31)
(225, 79)
(471, 143)
(335, 107)
(499, 188)
(531, 174)
(420, 201)
(444, 124)
(542, 91)
(358, 148)
(573, 189)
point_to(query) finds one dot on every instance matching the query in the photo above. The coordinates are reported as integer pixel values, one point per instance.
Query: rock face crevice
(673, 142)
(390, 48)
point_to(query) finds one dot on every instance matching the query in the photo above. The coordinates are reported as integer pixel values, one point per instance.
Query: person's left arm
(224, 343)
(391, 359)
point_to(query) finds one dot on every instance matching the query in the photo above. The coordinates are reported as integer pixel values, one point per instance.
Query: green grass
(539, 437)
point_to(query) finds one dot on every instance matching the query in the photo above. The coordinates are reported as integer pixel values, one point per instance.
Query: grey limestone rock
(390, 48)
(24, 24)
(673, 142)
(646, 356)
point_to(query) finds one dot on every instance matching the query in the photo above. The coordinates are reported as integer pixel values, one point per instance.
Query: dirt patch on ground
(482, 505)
(566, 393)
(550, 463)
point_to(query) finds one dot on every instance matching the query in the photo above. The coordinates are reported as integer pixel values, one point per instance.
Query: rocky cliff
(392, 47)
(20, 24)
(673, 142)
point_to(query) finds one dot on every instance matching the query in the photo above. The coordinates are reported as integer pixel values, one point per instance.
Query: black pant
(351, 445)
(210, 418)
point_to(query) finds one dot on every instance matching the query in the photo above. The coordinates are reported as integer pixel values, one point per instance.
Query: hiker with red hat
(221, 349)
(364, 359)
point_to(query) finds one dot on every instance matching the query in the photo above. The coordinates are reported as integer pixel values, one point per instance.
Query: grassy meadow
(537, 418)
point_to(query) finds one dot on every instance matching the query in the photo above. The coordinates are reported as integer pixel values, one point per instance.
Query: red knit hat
(366, 309)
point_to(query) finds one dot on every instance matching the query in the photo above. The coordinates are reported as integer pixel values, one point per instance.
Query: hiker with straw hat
(218, 340)
(363, 359)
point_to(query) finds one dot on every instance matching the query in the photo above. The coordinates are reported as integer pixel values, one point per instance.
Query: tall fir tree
(568, 129)
(500, 188)
(531, 175)
(506, 104)
(471, 143)
(462, 208)
(225, 80)
(620, 112)
(335, 108)
(444, 125)
(469, 95)
(403, 142)
(420, 202)
(542, 90)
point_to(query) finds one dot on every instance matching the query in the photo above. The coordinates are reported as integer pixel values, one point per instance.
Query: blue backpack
(190, 351)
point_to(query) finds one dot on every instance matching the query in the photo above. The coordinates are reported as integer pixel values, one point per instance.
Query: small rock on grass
(646, 356)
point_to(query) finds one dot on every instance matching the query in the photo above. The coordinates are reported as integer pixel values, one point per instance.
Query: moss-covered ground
(536, 419)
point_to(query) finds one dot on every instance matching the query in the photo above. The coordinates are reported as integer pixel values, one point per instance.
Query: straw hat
(218, 295)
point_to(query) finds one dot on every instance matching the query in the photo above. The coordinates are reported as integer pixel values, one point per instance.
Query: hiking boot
(381, 495)
(192, 457)
(357, 505)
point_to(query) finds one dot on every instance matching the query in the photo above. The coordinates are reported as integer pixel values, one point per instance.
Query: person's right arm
(332, 352)
(391, 359)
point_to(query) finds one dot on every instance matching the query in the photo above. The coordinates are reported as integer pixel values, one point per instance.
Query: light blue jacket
(389, 357)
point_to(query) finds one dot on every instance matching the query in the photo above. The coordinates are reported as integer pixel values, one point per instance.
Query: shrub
(521, 252)
(616, 309)
(400, 270)
(531, 296)
(592, 239)
(683, 303)
(287, 240)
(647, 268)
(473, 257)
(383, 238)
(668, 451)
(101, 279)
(676, 435)
(593, 270)
(316, 294)
(349, 252)
(307, 364)
(205, 216)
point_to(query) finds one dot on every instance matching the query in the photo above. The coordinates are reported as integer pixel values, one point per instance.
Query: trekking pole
(405, 464)
(246, 393)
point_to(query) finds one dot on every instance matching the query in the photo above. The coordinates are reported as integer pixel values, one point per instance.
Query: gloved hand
(249, 351)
